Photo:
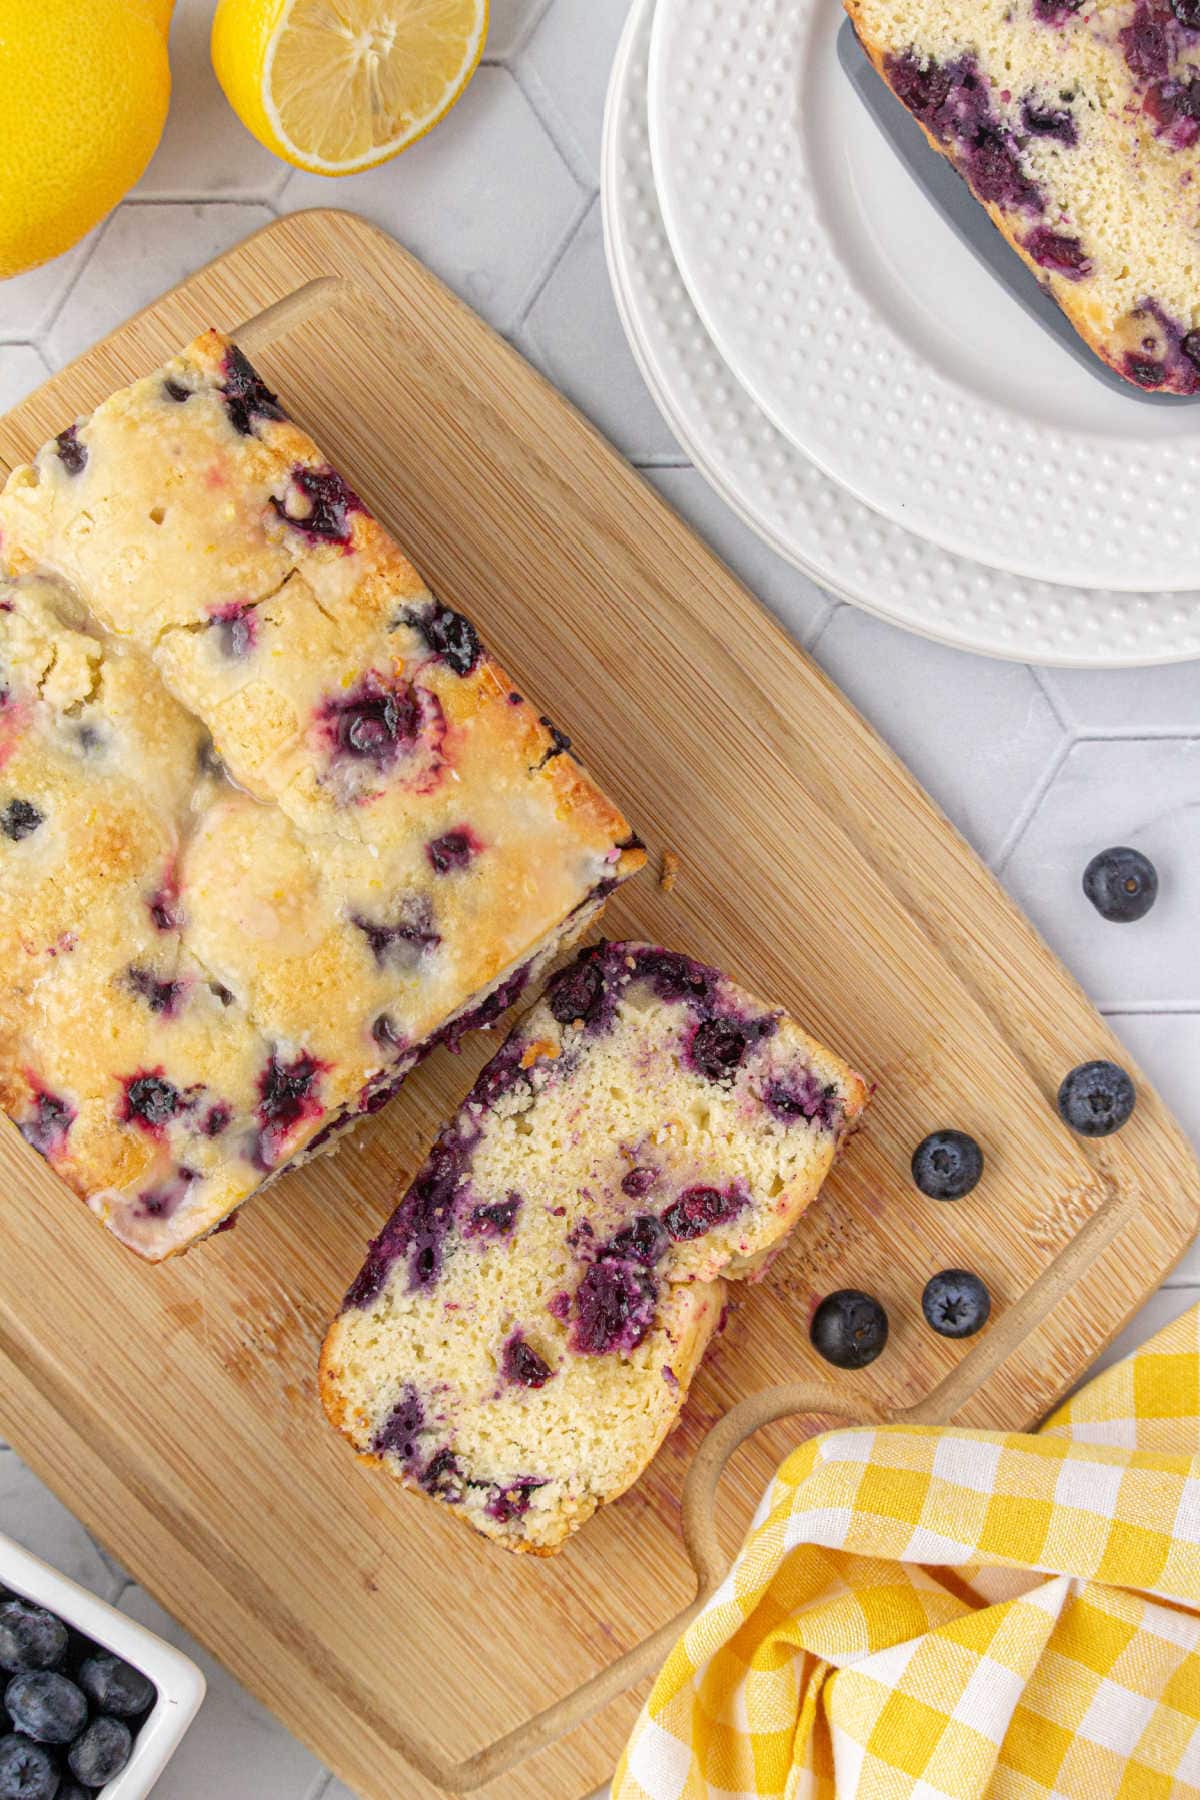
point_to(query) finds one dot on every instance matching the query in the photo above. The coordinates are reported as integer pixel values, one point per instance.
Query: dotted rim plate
(808, 519)
(752, 146)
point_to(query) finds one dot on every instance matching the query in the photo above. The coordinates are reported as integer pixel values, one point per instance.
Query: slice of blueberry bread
(524, 1330)
(1076, 123)
(272, 822)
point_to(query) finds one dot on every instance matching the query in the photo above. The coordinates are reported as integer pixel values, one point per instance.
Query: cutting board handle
(699, 1507)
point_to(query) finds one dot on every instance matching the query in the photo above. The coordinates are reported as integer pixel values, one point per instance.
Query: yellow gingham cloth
(942, 1615)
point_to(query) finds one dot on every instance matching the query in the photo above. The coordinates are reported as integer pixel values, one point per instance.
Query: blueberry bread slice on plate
(524, 1330)
(1076, 123)
(272, 821)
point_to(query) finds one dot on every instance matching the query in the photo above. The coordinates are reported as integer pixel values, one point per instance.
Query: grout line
(542, 280)
(542, 103)
(1171, 1286)
(1016, 831)
(1049, 696)
(662, 459)
(1150, 1009)
(1134, 734)
(320, 1786)
(499, 58)
(190, 199)
(56, 310)
(835, 607)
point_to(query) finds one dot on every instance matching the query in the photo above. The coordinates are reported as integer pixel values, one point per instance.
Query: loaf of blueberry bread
(272, 822)
(1076, 124)
(524, 1330)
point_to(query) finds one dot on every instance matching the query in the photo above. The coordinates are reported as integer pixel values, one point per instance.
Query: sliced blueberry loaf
(1076, 123)
(271, 821)
(524, 1330)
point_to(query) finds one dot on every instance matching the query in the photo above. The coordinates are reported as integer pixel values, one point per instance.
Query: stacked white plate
(847, 349)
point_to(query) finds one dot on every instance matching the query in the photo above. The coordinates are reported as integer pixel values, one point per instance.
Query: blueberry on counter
(1096, 1098)
(116, 1687)
(1121, 884)
(27, 1772)
(46, 1706)
(849, 1328)
(101, 1753)
(947, 1164)
(30, 1637)
(956, 1303)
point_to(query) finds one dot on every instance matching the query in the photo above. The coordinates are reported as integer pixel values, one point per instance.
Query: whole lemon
(85, 87)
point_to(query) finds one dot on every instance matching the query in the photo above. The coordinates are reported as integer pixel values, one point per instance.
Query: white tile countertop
(1038, 769)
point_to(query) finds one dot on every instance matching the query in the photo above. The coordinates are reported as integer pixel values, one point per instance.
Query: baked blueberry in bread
(272, 821)
(1076, 124)
(523, 1332)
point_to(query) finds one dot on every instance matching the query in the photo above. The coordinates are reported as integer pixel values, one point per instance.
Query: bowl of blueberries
(92, 1705)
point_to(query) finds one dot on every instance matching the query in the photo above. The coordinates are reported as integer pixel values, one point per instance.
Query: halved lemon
(336, 86)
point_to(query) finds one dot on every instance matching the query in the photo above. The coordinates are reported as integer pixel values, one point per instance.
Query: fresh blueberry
(116, 1686)
(947, 1164)
(27, 1772)
(30, 1637)
(1121, 884)
(46, 1706)
(1190, 345)
(99, 1755)
(74, 1790)
(19, 819)
(1096, 1098)
(849, 1329)
(956, 1303)
(1187, 12)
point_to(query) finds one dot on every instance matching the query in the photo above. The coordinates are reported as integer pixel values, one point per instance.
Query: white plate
(179, 1682)
(888, 331)
(782, 496)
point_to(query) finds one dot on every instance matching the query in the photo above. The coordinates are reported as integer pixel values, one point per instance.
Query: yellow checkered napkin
(950, 1614)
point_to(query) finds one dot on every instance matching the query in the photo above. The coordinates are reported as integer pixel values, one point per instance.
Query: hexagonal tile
(1167, 1045)
(1160, 1309)
(461, 199)
(142, 251)
(234, 1747)
(27, 302)
(574, 335)
(511, 23)
(1129, 700)
(30, 1513)
(797, 603)
(1143, 793)
(977, 733)
(21, 370)
(566, 64)
(205, 150)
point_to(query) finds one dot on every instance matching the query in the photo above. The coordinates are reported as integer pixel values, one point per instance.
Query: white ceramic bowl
(179, 1682)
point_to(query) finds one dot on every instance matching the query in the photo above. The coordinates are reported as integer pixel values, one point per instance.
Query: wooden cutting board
(175, 1409)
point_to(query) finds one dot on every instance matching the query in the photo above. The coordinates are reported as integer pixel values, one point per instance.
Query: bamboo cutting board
(175, 1408)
